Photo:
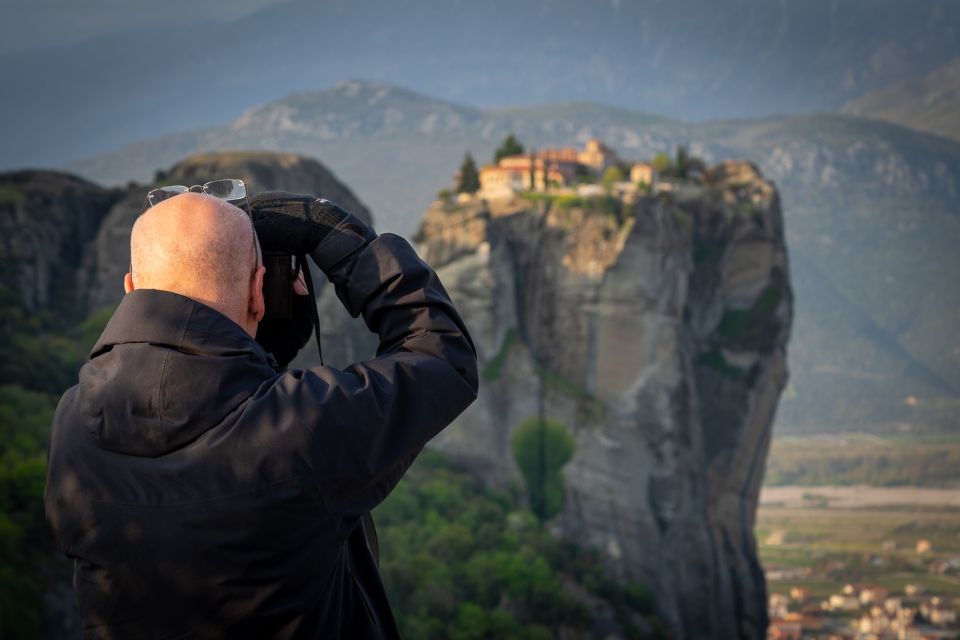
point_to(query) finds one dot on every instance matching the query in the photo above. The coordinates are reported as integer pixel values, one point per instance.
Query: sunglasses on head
(231, 190)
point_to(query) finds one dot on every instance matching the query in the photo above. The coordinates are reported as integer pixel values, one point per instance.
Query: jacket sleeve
(369, 421)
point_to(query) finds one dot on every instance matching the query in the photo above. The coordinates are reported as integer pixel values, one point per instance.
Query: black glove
(304, 225)
(284, 337)
(291, 222)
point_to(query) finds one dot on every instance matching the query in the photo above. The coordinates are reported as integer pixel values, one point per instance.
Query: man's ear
(128, 283)
(257, 307)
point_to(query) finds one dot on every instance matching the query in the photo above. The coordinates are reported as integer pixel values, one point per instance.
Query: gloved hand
(284, 337)
(297, 224)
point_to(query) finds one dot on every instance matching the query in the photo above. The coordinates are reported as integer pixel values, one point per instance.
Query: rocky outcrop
(46, 220)
(655, 332)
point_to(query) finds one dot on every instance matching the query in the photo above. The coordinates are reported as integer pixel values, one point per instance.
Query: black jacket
(202, 494)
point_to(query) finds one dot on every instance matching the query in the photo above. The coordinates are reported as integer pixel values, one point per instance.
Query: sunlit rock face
(655, 330)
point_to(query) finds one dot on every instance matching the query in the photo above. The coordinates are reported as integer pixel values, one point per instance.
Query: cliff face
(655, 334)
(46, 220)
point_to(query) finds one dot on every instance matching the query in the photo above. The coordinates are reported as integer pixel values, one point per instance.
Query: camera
(278, 285)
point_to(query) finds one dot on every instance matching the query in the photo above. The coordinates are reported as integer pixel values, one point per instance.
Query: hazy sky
(28, 24)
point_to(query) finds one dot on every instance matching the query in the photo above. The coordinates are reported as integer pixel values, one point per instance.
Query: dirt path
(859, 496)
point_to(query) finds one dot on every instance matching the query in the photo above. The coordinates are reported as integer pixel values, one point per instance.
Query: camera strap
(302, 266)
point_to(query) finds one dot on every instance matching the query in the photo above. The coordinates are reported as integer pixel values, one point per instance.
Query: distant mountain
(929, 103)
(694, 59)
(394, 146)
(870, 210)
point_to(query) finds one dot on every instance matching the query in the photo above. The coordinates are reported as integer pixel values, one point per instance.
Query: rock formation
(47, 219)
(655, 331)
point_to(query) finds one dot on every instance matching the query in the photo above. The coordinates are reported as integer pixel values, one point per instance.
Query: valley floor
(856, 560)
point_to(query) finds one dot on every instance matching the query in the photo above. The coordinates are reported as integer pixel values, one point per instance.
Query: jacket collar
(166, 369)
(174, 320)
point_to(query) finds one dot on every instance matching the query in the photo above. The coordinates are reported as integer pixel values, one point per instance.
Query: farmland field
(864, 459)
(825, 537)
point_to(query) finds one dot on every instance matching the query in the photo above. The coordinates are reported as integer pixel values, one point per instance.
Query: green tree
(661, 162)
(24, 539)
(682, 161)
(610, 176)
(460, 561)
(541, 448)
(469, 178)
(509, 147)
(686, 165)
(40, 352)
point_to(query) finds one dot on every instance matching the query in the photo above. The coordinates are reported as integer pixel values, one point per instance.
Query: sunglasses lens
(226, 189)
(164, 193)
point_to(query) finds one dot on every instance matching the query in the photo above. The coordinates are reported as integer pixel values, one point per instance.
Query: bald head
(198, 246)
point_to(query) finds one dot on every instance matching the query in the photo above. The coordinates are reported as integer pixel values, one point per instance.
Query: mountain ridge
(693, 58)
(930, 103)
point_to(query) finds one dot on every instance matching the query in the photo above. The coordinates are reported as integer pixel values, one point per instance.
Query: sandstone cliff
(655, 334)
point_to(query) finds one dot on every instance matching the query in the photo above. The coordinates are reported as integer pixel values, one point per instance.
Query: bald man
(201, 490)
(203, 248)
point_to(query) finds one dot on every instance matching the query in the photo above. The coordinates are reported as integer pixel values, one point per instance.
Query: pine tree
(469, 178)
(509, 147)
(682, 163)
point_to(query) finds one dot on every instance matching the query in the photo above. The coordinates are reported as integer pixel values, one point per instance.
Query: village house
(946, 565)
(843, 602)
(937, 612)
(597, 156)
(874, 624)
(924, 546)
(643, 173)
(892, 605)
(872, 594)
(785, 630)
(942, 616)
(799, 594)
(777, 606)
